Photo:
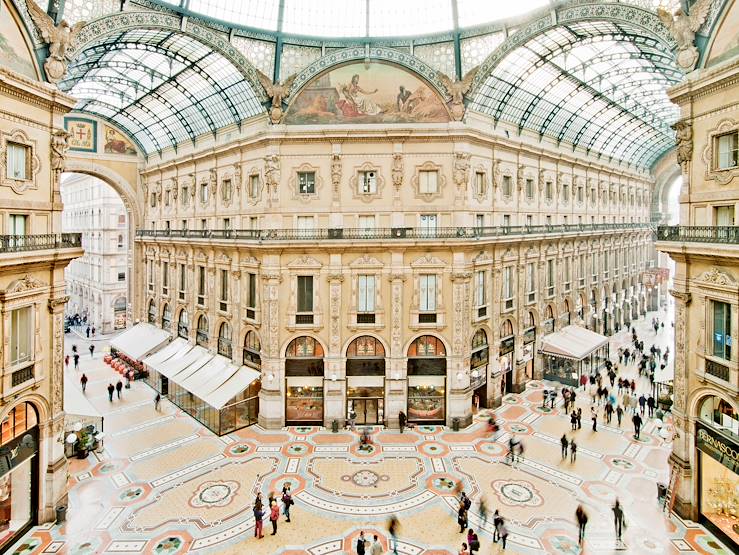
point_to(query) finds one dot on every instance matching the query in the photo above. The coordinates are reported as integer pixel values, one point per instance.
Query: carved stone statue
(59, 146)
(277, 92)
(213, 182)
(456, 91)
(461, 170)
(58, 37)
(271, 172)
(683, 27)
(397, 170)
(496, 173)
(684, 138)
(174, 188)
(336, 171)
(238, 177)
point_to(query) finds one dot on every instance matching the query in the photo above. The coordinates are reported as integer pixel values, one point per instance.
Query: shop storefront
(18, 473)
(426, 380)
(717, 442)
(479, 360)
(527, 353)
(304, 382)
(505, 357)
(571, 352)
(365, 380)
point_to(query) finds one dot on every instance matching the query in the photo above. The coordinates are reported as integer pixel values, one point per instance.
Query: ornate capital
(53, 304)
(397, 277)
(684, 297)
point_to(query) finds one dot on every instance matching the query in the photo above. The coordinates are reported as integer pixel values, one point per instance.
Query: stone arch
(384, 343)
(440, 337)
(376, 52)
(614, 12)
(313, 336)
(125, 21)
(39, 403)
(697, 397)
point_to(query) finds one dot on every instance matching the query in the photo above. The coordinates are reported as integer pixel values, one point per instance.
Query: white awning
(177, 363)
(206, 378)
(167, 352)
(140, 341)
(237, 383)
(573, 342)
(186, 371)
(75, 402)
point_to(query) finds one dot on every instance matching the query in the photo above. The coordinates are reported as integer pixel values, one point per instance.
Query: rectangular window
(204, 193)
(579, 194)
(594, 267)
(728, 150)
(227, 224)
(17, 161)
(153, 200)
(150, 272)
(550, 278)
(506, 220)
(305, 226)
(183, 281)
(428, 224)
(479, 183)
(530, 282)
(507, 185)
(480, 221)
(165, 277)
(427, 287)
(21, 335)
(721, 330)
(568, 274)
(253, 186)
(366, 290)
(367, 223)
(508, 287)
(223, 302)
(203, 224)
(254, 222)
(428, 181)
(305, 295)
(121, 276)
(251, 295)
(167, 225)
(367, 182)
(226, 190)
(184, 225)
(549, 190)
(529, 188)
(529, 220)
(581, 270)
(17, 224)
(306, 183)
(480, 288)
(724, 215)
(201, 285)
(185, 196)
(565, 191)
(549, 220)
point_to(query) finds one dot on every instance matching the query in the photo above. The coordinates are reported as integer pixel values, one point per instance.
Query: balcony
(699, 234)
(25, 243)
(388, 233)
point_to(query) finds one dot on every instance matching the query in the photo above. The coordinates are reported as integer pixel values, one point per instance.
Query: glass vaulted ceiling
(596, 85)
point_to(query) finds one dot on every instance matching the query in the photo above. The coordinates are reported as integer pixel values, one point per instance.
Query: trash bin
(335, 426)
(61, 514)
(455, 424)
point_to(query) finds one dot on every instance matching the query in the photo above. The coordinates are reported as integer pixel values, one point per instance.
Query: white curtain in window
(366, 293)
(427, 284)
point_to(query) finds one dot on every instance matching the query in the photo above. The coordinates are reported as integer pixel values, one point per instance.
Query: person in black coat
(637, 425)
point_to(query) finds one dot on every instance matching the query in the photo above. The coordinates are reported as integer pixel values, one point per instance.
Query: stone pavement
(166, 485)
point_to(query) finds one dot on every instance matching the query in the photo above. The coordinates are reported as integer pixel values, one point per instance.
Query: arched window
(224, 340)
(549, 313)
(19, 420)
(479, 357)
(152, 313)
(304, 347)
(183, 324)
(530, 320)
(119, 304)
(252, 350)
(364, 347)
(304, 357)
(166, 316)
(568, 312)
(506, 329)
(120, 241)
(365, 356)
(201, 335)
(427, 346)
(718, 413)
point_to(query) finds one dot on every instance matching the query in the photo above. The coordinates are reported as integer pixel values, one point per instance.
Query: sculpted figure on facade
(59, 146)
(397, 170)
(684, 138)
(461, 170)
(213, 182)
(238, 177)
(271, 173)
(683, 28)
(58, 37)
(496, 173)
(277, 92)
(174, 188)
(456, 91)
(336, 173)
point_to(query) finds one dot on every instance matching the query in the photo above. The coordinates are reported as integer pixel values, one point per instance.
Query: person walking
(111, 389)
(573, 451)
(287, 501)
(503, 533)
(274, 516)
(462, 518)
(594, 418)
(642, 403)
(650, 405)
(92, 351)
(66, 362)
(609, 412)
(573, 420)
(401, 420)
(361, 543)
(76, 358)
(258, 516)
(157, 401)
(473, 541)
(565, 443)
(87, 331)
(119, 388)
(93, 331)
(393, 526)
(483, 511)
(83, 381)
(637, 425)
(497, 521)
(376, 548)
(619, 414)
(618, 518)
(582, 521)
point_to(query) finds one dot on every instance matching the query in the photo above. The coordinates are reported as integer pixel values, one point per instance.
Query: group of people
(619, 521)
(274, 510)
(472, 545)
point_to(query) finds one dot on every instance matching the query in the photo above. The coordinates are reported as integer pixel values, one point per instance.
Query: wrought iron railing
(718, 370)
(385, 232)
(698, 234)
(21, 243)
(21, 376)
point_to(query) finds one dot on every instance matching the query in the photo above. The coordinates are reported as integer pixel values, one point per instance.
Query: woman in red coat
(274, 514)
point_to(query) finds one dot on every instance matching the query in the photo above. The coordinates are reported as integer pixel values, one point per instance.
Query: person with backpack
(287, 501)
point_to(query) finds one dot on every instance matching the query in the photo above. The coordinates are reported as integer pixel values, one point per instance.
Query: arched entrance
(167, 317)
(527, 355)
(427, 380)
(304, 381)
(479, 361)
(19, 472)
(252, 352)
(365, 380)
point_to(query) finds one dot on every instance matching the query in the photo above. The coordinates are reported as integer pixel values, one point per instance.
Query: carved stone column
(271, 405)
(334, 387)
(458, 377)
(397, 390)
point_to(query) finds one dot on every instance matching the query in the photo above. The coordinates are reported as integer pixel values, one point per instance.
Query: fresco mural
(14, 52)
(116, 142)
(375, 93)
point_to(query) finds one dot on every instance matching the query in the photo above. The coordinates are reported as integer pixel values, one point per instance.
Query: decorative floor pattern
(165, 485)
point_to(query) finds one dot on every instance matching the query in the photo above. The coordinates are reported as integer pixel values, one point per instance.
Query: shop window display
(425, 402)
(304, 403)
(720, 497)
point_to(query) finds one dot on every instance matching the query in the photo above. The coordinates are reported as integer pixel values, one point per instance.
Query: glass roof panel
(254, 13)
(325, 18)
(411, 17)
(475, 12)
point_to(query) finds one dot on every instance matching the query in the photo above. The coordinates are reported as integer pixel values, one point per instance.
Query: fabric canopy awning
(140, 341)
(193, 361)
(229, 389)
(75, 402)
(167, 352)
(181, 360)
(573, 342)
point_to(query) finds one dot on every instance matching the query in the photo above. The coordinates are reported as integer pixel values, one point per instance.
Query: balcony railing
(698, 234)
(718, 370)
(21, 243)
(385, 232)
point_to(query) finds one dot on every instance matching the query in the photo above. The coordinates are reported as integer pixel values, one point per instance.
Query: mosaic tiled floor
(165, 485)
